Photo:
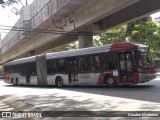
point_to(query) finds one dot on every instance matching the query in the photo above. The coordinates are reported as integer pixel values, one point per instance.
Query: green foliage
(1, 69)
(147, 33)
(70, 46)
(114, 35)
(130, 26)
(143, 31)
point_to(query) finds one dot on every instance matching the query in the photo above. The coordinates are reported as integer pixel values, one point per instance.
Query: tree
(1, 69)
(147, 33)
(130, 26)
(143, 31)
(114, 35)
(67, 47)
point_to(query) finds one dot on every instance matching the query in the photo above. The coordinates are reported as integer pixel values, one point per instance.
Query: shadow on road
(145, 92)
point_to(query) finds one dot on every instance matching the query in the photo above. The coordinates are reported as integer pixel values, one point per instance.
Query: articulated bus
(110, 65)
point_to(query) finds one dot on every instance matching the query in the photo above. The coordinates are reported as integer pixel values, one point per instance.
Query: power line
(43, 30)
(11, 28)
(3, 27)
(30, 29)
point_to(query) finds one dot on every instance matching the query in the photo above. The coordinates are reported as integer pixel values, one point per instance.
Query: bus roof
(22, 60)
(94, 50)
(84, 51)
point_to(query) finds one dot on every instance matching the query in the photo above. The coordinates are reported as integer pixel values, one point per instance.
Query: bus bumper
(146, 77)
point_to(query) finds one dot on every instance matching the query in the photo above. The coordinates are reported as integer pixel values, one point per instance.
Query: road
(141, 97)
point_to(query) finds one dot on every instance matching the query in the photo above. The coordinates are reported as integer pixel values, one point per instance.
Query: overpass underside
(58, 22)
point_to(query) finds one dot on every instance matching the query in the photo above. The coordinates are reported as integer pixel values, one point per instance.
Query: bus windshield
(145, 58)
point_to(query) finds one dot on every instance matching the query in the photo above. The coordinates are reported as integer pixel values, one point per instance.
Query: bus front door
(126, 67)
(72, 72)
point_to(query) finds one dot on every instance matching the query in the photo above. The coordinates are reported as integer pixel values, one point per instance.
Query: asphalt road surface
(141, 97)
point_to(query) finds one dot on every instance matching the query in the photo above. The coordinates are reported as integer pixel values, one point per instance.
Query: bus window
(33, 69)
(128, 61)
(73, 65)
(145, 58)
(61, 67)
(83, 64)
(51, 67)
(122, 62)
(109, 61)
(112, 61)
(104, 62)
(91, 61)
(95, 63)
(134, 60)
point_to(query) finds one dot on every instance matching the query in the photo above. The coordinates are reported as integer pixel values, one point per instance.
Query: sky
(8, 18)
(155, 15)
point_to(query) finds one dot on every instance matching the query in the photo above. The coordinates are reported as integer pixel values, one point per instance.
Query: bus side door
(126, 67)
(72, 70)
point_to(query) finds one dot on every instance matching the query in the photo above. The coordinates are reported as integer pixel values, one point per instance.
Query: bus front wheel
(110, 82)
(59, 82)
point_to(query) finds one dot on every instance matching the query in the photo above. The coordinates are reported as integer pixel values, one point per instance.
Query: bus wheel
(59, 82)
(110, 81)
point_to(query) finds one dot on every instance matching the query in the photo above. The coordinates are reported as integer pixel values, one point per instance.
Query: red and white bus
(110, 65)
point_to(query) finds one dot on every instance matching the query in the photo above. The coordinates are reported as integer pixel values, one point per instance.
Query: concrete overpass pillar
(85, 40)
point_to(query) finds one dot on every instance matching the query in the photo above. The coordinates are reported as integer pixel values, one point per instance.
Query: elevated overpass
(47, 24)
